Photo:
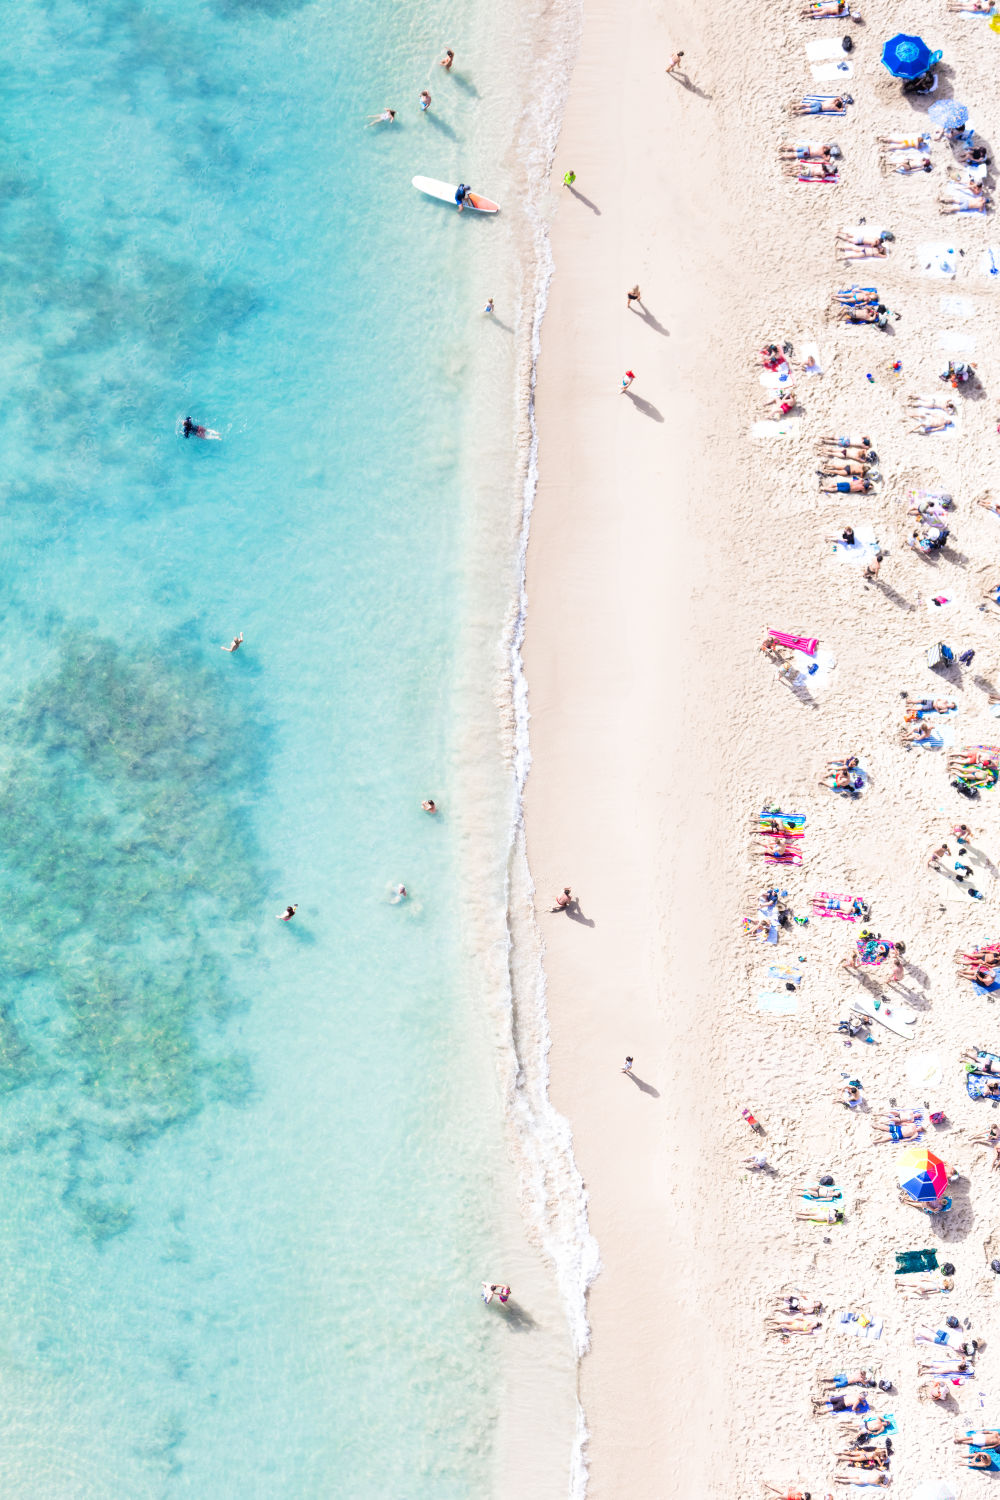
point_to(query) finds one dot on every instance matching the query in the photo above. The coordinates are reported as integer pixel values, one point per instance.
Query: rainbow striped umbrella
(922, 1175)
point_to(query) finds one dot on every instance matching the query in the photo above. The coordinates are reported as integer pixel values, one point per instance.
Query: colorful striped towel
(828, 904)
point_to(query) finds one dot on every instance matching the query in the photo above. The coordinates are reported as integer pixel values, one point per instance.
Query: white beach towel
(824, 50)
(788, 427)
(772, 379)
(956, 343)
(956, 307)
(865, 545)
(941, 733)
(989, 263)
(824, 662)
(937, 258)
(785, 1004)
(830, 72)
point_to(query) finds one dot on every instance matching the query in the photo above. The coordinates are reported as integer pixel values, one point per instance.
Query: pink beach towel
(804, 643)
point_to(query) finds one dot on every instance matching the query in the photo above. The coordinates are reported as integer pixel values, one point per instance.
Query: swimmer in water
(447, 60)
(425, 99)
(288, 913)
(234, 644)
(385, 118)
(193, 429)
(429, 806)
(399, 893)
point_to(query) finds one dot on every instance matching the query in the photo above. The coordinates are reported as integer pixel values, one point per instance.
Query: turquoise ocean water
(244, 1166)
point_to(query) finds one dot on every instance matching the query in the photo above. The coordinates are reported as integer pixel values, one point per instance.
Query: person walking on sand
(425, 100)
(562, 900)
(288, 913)
(628, 1064)
(627, 380)
(386, 117)
(674, 62)
(447, 60)
(489, 306)
(568, 179)
(633, 296)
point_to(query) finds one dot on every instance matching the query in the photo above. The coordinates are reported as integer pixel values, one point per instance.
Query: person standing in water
(461, 193)
(288, 913)
(234, 644)
(430, 806)
(489, 306)
(425, 100)
(447, 60)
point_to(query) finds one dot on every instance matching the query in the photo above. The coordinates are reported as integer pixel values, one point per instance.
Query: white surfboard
(446, 192)
(893, 1017)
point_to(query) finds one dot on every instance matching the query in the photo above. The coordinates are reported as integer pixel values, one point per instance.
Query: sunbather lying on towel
(950, 1338)
(843, 781)
(839, 1379)
(925, 1284)
(931, 421)
(864, 237)
(906, 162)
(938, 1367)
(898, 1117)
(850, 1402)
(813, 171)
(872, 312)
(821, 10)
(903, 1131)
(813, 104)
(831, 467)
(839, 450)
(833, 486)
(929, 705)
(903, 142)
(845, 440)
(871, 1426)
(856, 296)
(978, 973)
(797, 1302)
(821, 1215)
(861, 1476)
(982, 1062)
(849, 250)
(791, 1323)
(808, 151)
(958, 200)
(986, 1437)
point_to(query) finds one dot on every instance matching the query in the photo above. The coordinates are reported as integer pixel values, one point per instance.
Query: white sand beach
(665, 540)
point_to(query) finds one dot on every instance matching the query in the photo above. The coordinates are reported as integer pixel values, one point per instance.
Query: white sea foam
(552, 1187)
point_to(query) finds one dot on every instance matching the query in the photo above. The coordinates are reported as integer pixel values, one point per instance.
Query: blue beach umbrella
(948, 114)
(908, 56)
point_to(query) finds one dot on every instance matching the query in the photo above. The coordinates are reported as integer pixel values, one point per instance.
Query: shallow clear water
(244, 1165)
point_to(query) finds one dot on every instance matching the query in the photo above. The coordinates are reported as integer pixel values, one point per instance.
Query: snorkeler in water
(194, 429)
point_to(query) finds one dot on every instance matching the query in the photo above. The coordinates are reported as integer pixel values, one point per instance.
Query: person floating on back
(234, 644)
(288, 913)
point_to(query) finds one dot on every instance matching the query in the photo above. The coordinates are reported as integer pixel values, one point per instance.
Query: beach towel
(828, 178)
(956, 307)
(858, 1325)
(814, 104)
(989, 263)
(910, 1261)
(937, 258)
(777, 1005)
(791, 820)
(985, 989)
(831, 72)
(785, 974)
(824, 50)
(811, 352)
(788, 427)
(826, 904)
(957, 343)
(976, 1085)
(805, 643)
(994, 1456)
(782, 857)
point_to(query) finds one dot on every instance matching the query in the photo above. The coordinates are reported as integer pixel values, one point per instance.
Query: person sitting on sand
(934, 1390)
(563, 900)
(846, 537)
(812, 105)
(843, 780)
(843, 1401)
(849, 1096)
(845, 486)
(934, 859)
(902, 1131)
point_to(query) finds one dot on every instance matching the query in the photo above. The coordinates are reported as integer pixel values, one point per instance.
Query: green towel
(908, 1261)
